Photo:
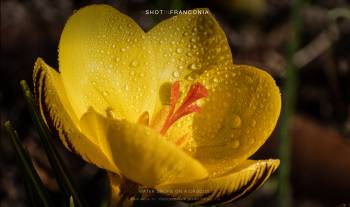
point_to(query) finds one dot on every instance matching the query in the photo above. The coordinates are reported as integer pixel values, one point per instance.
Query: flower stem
(31, 177)
(62, 173)
(289, 96)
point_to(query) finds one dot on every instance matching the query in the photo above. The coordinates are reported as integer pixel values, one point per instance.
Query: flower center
(188, 105)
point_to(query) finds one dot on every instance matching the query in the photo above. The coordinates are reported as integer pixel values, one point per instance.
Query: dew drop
(253, 123)
(178, 50)
(193, 66)
(252, 141)
(191, 77)
(134, 63)
(176, 74)
(236, 121)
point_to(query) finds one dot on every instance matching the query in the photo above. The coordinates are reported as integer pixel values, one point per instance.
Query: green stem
(62, 174)
(283, 194)
(26, 165)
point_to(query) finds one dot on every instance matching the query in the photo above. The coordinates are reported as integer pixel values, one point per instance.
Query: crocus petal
(144, 156)
(226, 188)
(238, 116)
(185, 45)
(59, 115)
(103, 62)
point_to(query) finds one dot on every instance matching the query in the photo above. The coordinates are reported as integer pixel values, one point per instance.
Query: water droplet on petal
(191, 77)
(251, 141)
(236, 121)
(134, 63)
(193, 66)
(253, 123)
(235, 144)
(176, 74)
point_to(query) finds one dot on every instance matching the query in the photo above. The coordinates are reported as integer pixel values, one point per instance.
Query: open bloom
(166, 108)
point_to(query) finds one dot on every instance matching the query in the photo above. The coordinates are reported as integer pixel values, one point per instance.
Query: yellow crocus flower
(166, 108)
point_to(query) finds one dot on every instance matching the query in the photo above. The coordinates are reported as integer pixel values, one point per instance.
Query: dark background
(258, 32)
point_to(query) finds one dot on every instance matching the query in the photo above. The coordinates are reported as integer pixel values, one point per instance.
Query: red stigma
(188, 106)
